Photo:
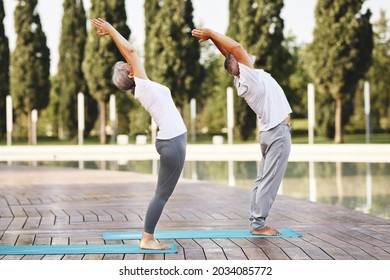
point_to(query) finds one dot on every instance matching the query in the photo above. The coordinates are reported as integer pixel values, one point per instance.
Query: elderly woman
(172, 134)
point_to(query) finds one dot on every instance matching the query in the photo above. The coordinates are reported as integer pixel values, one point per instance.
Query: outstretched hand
(202, 33)
(102, 26)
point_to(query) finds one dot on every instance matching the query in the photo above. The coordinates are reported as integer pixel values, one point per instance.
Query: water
(361, 186)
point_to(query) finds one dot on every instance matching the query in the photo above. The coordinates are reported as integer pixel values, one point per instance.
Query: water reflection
(361, 186)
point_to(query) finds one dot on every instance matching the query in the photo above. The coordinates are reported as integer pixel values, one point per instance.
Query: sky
(298, 18)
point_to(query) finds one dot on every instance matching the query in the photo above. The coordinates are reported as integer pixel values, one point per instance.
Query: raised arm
(126, 49)
(224, 44)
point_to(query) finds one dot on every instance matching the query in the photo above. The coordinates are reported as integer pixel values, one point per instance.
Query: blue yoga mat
(197, 234)
(81, 249)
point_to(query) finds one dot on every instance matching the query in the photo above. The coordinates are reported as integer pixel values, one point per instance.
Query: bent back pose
(171, 137)
(267, 99)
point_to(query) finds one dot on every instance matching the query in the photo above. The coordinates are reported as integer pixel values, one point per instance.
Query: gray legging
(172, 155)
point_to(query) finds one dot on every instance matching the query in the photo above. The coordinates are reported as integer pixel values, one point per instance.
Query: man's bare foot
(265, 231)
(149, 243)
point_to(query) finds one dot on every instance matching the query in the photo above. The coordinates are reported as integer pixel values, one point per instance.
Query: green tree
(151, 8)
(4, 71)
(174, 53)
(298, 80)
(101, 54)
(30, 72)
(212, 100)
(70, 75)
(338, 57)
(379, 75)
(257, 25)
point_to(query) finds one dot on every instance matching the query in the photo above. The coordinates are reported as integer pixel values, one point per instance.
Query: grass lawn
(299, 136)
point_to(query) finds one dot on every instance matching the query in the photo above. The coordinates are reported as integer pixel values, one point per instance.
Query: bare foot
(265, 231)
(149, 243)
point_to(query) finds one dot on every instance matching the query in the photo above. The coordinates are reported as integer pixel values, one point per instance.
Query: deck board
(48, 206)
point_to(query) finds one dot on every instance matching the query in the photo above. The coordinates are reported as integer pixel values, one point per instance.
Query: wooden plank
(11, 200)
(75, 216)
(57, 241)
(255, 254)
(38, 240)
(88, 215)
(94, 256)
(211, 250)
(116, 215)
(75, 241)
(79, 208)
(18, 211)
(5, 210)
(295, 253)
(47, 217)
(337, 253)
(113, 256)
(61, 218)
(4, 223)
(180, 252)
(275, 253)
(235, 254)
(132, 256)
(192, 250)
(32, 223)
(25, 239)
(17, 223)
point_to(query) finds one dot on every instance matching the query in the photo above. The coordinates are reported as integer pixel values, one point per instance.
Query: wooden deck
(40, 205)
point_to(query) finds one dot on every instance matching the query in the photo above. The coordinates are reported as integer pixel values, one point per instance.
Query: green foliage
(30, 61)
(70, 75)
(379, 76)
(172, 54)
(298, 80)
(212, 102)
(101, 54)
(4, 71)
(338, 57)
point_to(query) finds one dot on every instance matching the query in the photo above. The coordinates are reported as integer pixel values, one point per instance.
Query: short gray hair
(120, 77)
(230, 64)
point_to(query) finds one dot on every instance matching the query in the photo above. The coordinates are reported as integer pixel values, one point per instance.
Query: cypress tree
(257, 25)
(30, 62)
(151, 8)
(379, 75)
(101, 54)
(70, 75)
(173, 52)
(4, 71)
(338, 57)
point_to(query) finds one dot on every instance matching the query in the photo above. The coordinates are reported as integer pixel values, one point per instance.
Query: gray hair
(231, 64)
(120, 77)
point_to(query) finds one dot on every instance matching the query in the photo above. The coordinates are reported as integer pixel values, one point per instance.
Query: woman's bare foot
(265, 231)
(149, 243)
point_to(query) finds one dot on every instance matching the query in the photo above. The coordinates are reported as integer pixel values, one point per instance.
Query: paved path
(40, 205)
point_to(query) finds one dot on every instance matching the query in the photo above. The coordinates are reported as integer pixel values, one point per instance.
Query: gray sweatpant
(172, 156)
(275, 147)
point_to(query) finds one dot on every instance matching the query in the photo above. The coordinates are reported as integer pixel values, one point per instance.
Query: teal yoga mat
(81, 249)
(197, 234)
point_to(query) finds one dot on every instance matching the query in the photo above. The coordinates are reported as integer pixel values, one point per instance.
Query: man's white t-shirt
(157, 100)
(264, 95)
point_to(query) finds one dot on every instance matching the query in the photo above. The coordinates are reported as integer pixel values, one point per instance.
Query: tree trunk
(102, 121)
(338, 137)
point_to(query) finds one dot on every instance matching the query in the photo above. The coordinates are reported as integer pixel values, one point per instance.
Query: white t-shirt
(264, 95)
(157, 100)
